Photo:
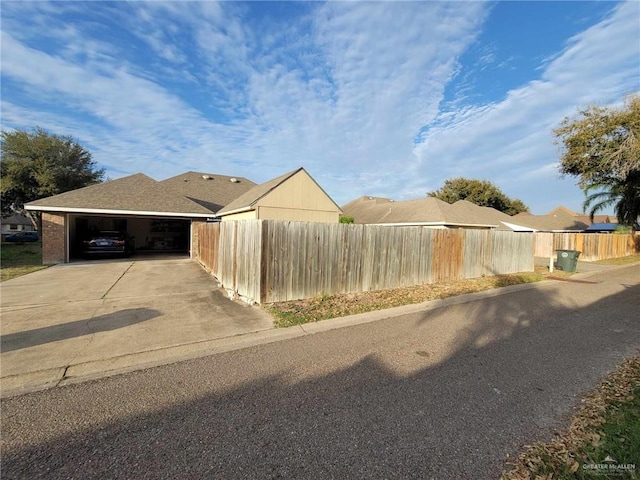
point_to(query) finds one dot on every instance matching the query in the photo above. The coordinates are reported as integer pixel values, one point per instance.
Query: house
(294, 196)
(16, 223)
(580, 217)
(428, 212)
(560, 219)
(552, 223)
(434, 213)
(160, 215)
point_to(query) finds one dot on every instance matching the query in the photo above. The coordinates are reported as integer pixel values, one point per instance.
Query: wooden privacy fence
(594, 246)
(273, 261)
(208, 244)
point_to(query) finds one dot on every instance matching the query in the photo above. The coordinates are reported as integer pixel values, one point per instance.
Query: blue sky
(372, 98)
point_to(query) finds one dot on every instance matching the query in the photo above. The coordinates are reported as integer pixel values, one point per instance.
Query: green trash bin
(567, 260)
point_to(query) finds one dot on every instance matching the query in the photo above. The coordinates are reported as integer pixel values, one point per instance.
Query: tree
(602, 148)
(480, 192)
(345, 219)
(38, 164)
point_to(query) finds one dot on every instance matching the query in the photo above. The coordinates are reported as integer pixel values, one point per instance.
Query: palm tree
(624, 195)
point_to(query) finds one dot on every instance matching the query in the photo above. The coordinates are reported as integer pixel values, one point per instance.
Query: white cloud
(361, 81)
(142, 125)
(342, 88)
(507, 140)
(387, 66)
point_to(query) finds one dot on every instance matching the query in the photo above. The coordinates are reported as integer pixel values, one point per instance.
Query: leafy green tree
(517, 206)
(480, 192)
(601, 146)
(38, 164)
(345, 219)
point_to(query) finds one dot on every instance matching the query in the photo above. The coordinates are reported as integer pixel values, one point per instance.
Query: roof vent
(207, 177)
(234, 180)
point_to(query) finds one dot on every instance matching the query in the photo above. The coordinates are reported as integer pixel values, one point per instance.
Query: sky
(372, 98)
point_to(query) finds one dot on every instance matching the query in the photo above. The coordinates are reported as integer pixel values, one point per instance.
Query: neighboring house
(159, 214)
(580, 217)
(294, 196)
(16, 223)
(558, 222)
(434, 213)
(428, 212)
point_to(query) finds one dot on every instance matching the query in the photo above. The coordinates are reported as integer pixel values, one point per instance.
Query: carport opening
(149, 235)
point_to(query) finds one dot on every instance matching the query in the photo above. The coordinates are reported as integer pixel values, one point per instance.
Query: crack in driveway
(116, 282)
(92, 333)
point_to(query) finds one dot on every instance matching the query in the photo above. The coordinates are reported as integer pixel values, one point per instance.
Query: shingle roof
(427, 210)
(210, 190)
(560, 221)
(16, 219)
(135, 193)
(486, 215)
(596, 219)
(249, 198)
(561, 209)
(384, 210)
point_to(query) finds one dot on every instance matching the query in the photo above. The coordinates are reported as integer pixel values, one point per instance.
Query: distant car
(108, 243)
(22, 237)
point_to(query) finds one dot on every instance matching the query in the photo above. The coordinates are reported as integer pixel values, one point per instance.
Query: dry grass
(607, 424)
(321, 308)
(620, 260)
(12, 272)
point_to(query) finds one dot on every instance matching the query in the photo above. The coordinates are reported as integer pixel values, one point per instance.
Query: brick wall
(53, 238)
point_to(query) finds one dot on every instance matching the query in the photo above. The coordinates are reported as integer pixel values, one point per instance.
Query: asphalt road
(445, 393)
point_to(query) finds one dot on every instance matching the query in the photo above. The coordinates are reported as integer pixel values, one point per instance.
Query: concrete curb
(82, 372)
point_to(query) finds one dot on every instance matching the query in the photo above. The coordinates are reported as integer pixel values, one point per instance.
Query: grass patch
(18, 259)
(605, 433)
(620, 260)
(297, 312)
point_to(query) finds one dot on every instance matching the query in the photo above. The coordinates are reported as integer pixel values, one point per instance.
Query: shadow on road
(79, 328)
(444, 394)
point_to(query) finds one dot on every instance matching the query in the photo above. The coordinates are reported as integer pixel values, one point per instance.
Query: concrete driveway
(88, 318)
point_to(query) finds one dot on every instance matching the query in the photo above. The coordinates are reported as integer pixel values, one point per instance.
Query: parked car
(27, 236)
(108, 242)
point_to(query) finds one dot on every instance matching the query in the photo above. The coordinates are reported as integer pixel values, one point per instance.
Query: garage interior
(150, 234)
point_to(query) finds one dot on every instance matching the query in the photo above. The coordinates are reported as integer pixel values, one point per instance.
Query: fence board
(510, 253)
(367, 257)
(593, 246)
(248, 258)
(354, 264)
(380, 272)
(448, 246)
(426, 257)
(474, 255)
(207, 247)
